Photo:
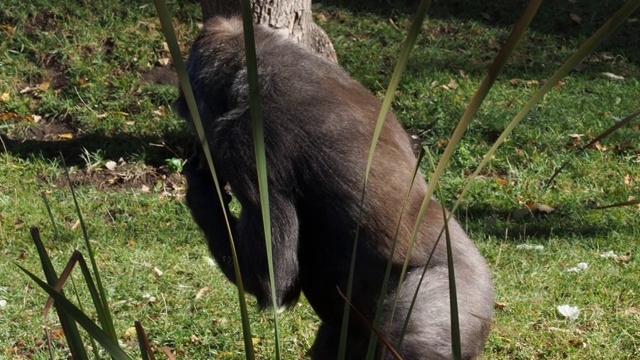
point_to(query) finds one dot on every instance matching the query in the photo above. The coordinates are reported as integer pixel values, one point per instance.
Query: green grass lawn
(88, 82)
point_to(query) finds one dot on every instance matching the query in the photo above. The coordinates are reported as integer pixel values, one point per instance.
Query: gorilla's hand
(201, 191)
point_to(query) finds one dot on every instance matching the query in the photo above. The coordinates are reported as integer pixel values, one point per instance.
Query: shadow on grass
(153, 150)
(502, 224)
(564, 19)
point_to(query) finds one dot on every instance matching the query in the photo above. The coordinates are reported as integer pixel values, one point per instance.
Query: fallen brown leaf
(623, 259)
(202, 291)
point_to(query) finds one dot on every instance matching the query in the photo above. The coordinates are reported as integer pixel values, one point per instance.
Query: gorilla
(318, 124)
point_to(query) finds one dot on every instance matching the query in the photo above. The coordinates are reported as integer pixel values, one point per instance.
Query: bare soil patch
(60, 138)
(128, 176)
(43, 131)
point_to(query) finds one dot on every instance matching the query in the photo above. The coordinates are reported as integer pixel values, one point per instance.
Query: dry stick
(620, 204)
(4, 146)
(606, 133)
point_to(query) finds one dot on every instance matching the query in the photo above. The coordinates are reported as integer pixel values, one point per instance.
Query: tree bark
(290, 16)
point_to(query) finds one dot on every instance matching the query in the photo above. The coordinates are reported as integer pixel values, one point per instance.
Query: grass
(96, 78)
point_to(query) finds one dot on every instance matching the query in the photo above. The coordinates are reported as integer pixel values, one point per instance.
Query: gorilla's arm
(248, 235)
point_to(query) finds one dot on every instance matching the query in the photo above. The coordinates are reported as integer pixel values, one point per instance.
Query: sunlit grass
(134, 231)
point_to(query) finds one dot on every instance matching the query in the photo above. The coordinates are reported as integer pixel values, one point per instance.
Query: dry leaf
(452, 85)
(599, 146)
(5, 97)
(157, 271)
(517, 81)
(43, 86)
(577, 343)
(499, 305)
(164, 61)
(393, 24)
(623, 259)
(57, 333)
(7, 29)
(19, 224)
(115, 180)
(9, 116)
(130, 333)
(545, 208)
(161, 111)
(65, 136)
(111, 165)
(627, 179)
(500, 180)
(612, 76)
(575, 18)
(145, 188)
(575, 139)
(75, 225)
(202, 291)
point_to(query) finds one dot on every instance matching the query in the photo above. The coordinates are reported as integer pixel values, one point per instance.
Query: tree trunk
(290, 16)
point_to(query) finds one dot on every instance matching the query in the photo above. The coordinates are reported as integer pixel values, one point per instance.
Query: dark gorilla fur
(318, 127)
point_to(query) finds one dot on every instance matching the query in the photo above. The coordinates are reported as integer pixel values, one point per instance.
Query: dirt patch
(61, 139)
(123, 176)
(43, 131)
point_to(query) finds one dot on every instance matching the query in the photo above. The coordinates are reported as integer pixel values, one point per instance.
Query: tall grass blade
(456, 345)
(185, 86)
(77, 258)
(412, 35)
(63, 278)
(385, 282)
(499, 62)
(98, 303)
(143, 341)
(261, 160)
(455, 325)
(102, 307)
(68, 324)
(50, 213)
(383, 339)
(67, 307)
